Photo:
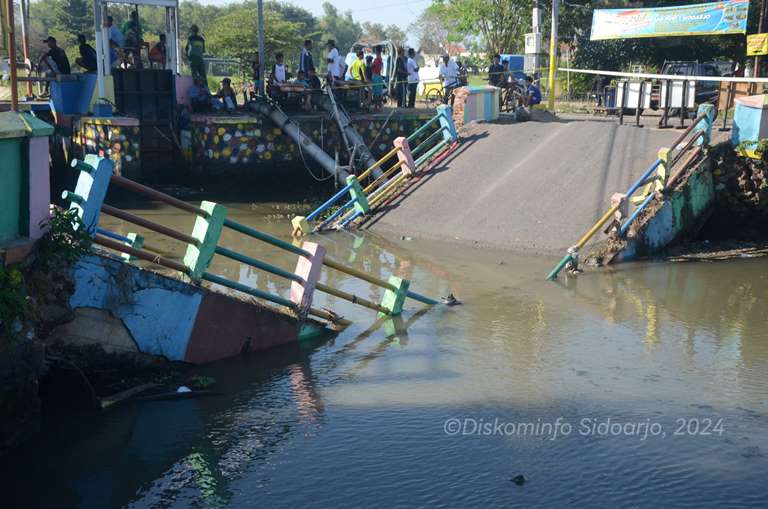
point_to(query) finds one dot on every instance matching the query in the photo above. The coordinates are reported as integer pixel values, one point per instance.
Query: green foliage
(13, 302)
(502, 24)
(65, 241)
(376, 32)
(340, 27)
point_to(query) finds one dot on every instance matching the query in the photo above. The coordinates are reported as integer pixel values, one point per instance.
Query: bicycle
(437, 96)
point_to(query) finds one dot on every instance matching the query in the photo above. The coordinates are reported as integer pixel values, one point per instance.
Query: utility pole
(553, 56)
(756, 72)
(11, 52)
(260, 9)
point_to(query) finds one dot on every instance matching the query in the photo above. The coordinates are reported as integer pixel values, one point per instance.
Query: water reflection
(357, 421)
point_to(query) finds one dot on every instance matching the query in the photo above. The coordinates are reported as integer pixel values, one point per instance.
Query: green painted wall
(11, 202)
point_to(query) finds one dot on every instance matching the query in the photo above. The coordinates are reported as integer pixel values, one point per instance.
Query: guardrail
(653, 182)
(354, 201)
(96, 174)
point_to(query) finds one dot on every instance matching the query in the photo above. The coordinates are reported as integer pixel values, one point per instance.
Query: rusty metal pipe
(149, 225)
(142, 255)
(157, 195)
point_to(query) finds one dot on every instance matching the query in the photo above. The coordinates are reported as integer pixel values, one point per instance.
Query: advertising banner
(714, 18)
(757, 44)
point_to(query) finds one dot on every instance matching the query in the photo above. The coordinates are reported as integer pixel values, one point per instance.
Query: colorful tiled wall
(245, 143)
(117, 138)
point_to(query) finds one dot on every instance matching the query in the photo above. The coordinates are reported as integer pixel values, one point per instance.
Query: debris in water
(450, 300)
(519, 479)
(183, 388)
(403, 237)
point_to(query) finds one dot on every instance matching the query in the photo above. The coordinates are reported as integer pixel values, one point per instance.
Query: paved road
(535, 186)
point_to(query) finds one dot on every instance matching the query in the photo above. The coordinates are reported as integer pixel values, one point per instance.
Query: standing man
(401, 77)
(413, 77)
(305, 59)
(195, 50)
(133, 38)
(87, 58)
(157, 55)
(258, 85)
(357, 69)
(114, 33)
(449, 73)
(333, 61)
(495, 71)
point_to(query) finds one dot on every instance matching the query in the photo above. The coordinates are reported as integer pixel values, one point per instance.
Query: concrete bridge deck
(534, 186)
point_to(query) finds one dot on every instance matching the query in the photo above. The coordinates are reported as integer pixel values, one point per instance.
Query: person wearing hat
(55, 59)
(87, 58)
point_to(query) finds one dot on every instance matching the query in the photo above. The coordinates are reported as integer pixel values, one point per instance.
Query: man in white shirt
(413, 77)
(449, 73)
(334, 60)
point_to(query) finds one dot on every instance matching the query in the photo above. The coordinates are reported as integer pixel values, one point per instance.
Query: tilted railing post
(308, 268)
(206, 231)
(91, 189)
(405, 156)
(705, 125)
(446, 121)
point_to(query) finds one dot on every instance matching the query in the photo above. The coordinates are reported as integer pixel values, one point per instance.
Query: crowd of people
(365, 75)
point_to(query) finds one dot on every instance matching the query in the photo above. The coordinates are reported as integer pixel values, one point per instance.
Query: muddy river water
(645, 385)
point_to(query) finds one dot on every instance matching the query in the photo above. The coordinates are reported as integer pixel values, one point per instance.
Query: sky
(387, 12)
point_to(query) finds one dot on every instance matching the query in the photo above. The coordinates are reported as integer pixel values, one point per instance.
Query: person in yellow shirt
(357, 69)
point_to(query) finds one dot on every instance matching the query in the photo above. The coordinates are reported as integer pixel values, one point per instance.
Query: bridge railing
(657, 179)
(96, 174)
(434, 138)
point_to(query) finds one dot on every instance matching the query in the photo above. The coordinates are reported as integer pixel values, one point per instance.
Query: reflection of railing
(655, 179)
(203, 244)
(354, 201)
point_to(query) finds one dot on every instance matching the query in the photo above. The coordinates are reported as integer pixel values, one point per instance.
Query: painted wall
(473, 104)
(179, 321)
(246, 144)
(681, 215)
(117, 138)
(11, 201)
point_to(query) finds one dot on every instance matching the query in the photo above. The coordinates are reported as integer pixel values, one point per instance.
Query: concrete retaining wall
(679, 217)
(176, 320)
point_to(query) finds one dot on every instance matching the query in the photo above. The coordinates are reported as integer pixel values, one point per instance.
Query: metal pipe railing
(421, 160)
(635, 213)
(149, 225)
(251, 232)
(429, 139)
(333, 199)
(378, 163)
(383, 177)
(341, 210)
(415, 134)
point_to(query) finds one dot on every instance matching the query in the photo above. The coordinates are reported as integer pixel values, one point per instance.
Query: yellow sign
(757, 44)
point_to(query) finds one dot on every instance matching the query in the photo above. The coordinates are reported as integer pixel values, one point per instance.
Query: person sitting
(157, 53)
(314, 87)
(87, 58)
(495, 71)
(532, 95)
(226, 96)
(54, 60)
(199, 96)
(301, 80)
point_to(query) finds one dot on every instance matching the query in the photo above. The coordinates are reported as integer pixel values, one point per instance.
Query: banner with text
(714, 18)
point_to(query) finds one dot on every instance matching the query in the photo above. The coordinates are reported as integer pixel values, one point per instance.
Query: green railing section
(203, 244)
(654, 180)
(354, 201)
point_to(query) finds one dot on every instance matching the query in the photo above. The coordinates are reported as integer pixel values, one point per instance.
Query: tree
(341, 27)
(236, 35)
(431, 32)
(502, 24)
(396, 35)
(373, 32)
